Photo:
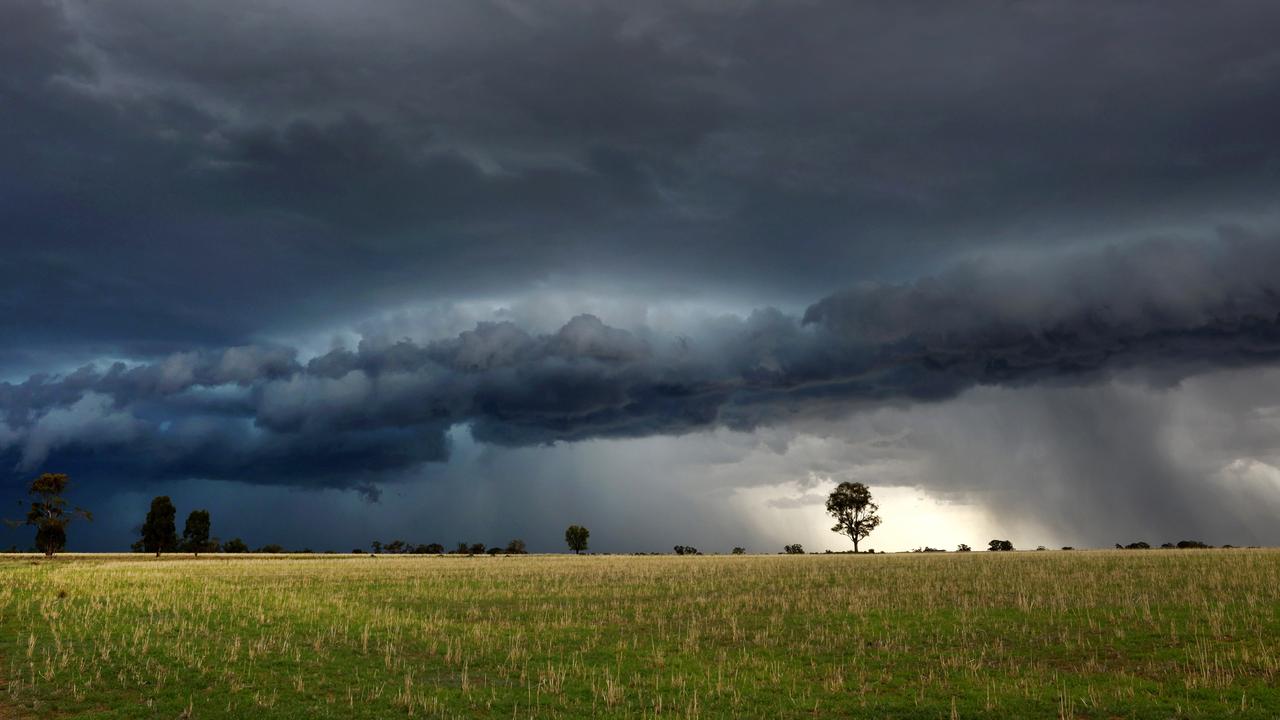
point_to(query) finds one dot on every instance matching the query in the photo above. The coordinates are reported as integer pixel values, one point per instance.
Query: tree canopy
(575, 536)
(850, 504)
(195, 534)
(159, 531)
(49, 514)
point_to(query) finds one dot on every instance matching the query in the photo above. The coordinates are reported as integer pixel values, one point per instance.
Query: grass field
(1141, 634)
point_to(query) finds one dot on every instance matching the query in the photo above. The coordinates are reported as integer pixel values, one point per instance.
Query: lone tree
(195, 534)
(49, 514)
(850, 504)
(159, 533)
(575, 536)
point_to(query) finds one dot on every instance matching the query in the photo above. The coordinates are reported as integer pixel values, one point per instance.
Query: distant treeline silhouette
(850, 504)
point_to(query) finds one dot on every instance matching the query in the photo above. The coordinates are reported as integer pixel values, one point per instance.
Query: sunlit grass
(1055, 634)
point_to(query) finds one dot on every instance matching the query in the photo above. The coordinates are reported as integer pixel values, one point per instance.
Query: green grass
(1134, 634)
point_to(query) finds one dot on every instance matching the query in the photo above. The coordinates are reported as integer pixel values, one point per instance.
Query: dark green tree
(195, 534)
(850, 504)
(516, 547)
(159, 531)
(575, 536)
(49, 514)
(235, 545)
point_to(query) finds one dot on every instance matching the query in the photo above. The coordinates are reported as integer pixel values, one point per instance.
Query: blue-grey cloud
(179, 179)
(351, 417)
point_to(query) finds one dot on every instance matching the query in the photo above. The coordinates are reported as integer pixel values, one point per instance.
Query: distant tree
(495, 550)
(271, 549)
(575, 536)
(396, 547)
(850, 504)
(1185, 544)
(159, 532)
(1000, 545)
(48, 513)
(796, 549)
(377, 546)
(195, 534)
(686, 550)
(461, 549)
(357, 551)
(476, 549)
(1139, 545)
(516, 547)
(1067, 547)
(1041, 548)
(235, 545)
(739, 551)
(435, 549)
(963, 548)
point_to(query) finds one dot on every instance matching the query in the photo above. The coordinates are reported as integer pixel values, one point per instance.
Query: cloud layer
(179, 177)
(351, 417)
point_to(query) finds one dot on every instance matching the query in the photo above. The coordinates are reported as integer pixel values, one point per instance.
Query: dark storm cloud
(1162, 310)
(181, 175)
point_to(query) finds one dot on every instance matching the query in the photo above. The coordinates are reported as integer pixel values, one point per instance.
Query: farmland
(1100, 634)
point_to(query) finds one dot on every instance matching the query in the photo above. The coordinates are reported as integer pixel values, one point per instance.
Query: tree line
(850, 504)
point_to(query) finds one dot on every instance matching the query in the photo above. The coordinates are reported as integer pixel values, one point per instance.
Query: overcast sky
(469, 270)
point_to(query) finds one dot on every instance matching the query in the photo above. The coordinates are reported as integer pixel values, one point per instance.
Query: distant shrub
(357, 551)
(1067, 547)
(963, 548)
(476, 549)
(1185, 544)
(1000, 546)
(927, 549)
(1167, 546)
(796, 549)
(235, 545)
(1140, 545)
(435, 549)
(739, 551)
